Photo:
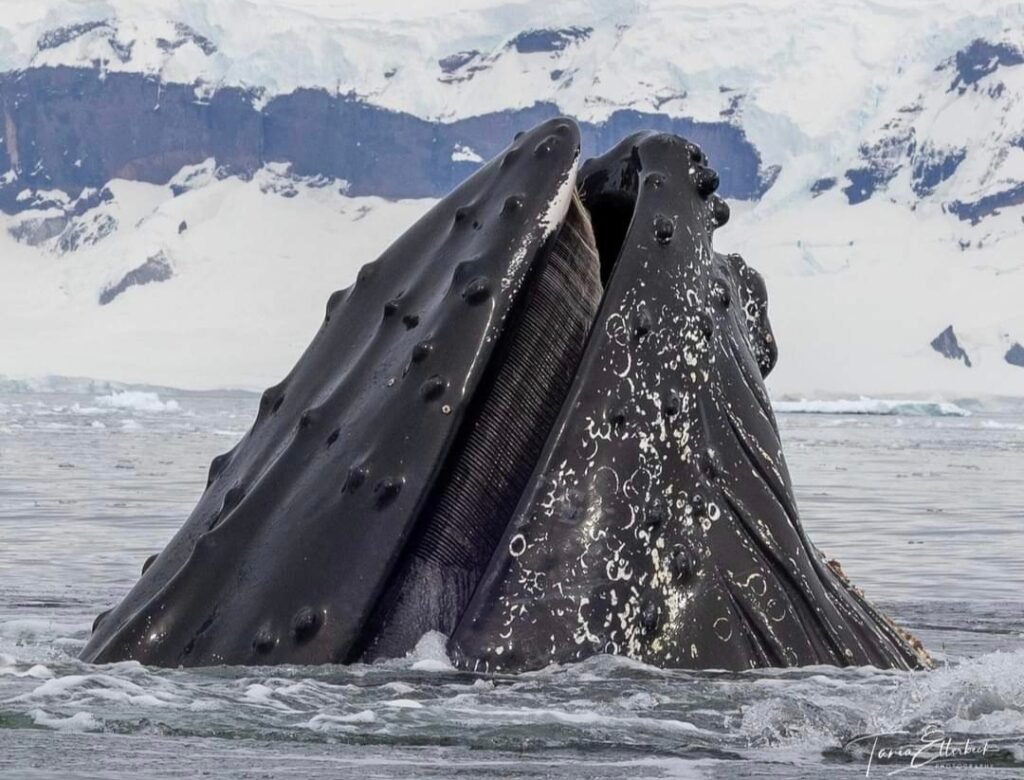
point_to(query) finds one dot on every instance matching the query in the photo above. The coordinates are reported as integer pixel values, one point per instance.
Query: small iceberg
(137, 401)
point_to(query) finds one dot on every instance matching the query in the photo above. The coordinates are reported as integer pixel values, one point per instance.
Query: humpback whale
(537, 424)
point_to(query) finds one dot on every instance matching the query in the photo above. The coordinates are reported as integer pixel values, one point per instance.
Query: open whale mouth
(484, 479)
(537, 424)
(513, 411)
(498, 444)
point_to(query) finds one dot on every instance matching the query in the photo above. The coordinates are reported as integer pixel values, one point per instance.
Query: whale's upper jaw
(654, 519)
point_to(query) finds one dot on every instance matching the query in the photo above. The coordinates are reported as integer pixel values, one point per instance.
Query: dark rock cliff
(947, 344)
(72, 128)
(1015, 355)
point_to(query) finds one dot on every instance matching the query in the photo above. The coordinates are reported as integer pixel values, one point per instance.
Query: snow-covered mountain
(183, 182)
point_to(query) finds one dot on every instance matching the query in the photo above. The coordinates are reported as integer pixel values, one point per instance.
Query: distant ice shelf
(873, 406)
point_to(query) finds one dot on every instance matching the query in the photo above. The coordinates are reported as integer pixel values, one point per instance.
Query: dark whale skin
(288, 550)
(660, 522)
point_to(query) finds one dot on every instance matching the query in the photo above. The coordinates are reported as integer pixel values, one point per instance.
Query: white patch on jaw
(558, 208)
(550, 220)
(513, 267)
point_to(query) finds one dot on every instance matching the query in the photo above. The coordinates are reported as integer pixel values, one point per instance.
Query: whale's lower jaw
(536, 424)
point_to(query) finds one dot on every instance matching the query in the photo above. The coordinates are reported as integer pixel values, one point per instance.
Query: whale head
(538, 424)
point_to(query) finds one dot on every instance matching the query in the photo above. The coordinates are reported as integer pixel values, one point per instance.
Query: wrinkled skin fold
(538, 424)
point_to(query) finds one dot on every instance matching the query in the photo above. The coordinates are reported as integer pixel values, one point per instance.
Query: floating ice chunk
(138, 401)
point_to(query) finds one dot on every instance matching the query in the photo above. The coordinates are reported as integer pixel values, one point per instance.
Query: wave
(873, 406)
(1001, 426)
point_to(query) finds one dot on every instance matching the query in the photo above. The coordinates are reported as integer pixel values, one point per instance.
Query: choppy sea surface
(922, 506)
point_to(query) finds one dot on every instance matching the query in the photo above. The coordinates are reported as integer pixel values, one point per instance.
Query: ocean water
(922, 504)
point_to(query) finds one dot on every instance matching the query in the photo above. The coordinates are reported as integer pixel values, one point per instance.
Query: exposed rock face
(75, 224)
(156, 269)
(914, 139)
(823, 184)
(990, 205)
(979, 60)
(39, 230)
(537, 41)
(57, 37)
(1015, 355)
(85, 231)
(71, 128)
(947, 344)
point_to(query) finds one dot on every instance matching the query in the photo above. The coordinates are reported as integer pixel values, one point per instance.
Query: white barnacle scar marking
(757, 584)
(517, 545)
(723, 631)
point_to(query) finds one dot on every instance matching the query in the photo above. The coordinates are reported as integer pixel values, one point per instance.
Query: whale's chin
(536, 424)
